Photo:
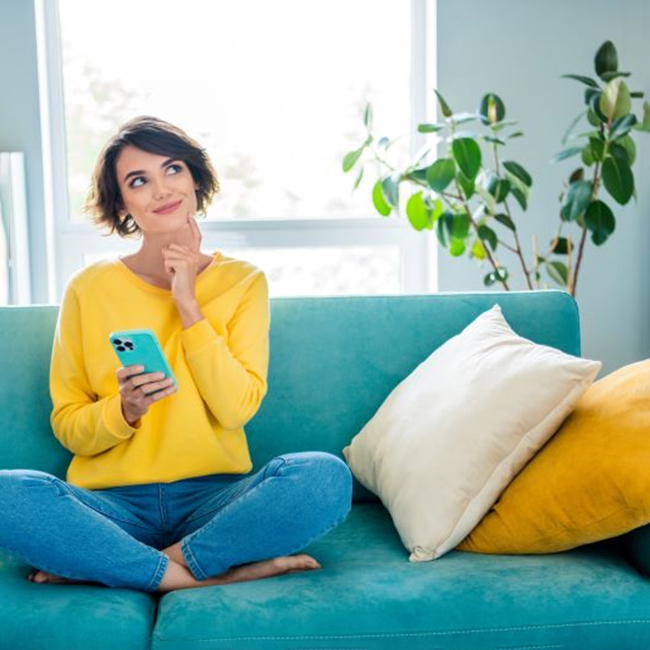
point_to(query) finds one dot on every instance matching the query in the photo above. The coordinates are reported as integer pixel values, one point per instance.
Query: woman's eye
(177, 168)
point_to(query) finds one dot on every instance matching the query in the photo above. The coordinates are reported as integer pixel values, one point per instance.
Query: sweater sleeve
(83, 424)
(230, 364)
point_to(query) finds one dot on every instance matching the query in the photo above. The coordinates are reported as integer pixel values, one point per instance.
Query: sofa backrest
(333, 361)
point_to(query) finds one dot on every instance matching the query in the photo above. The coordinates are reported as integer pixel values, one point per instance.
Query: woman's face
(157, 191)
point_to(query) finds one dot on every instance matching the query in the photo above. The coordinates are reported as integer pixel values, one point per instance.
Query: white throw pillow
(452, 435)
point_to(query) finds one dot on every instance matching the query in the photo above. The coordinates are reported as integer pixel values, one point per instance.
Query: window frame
(69, 241)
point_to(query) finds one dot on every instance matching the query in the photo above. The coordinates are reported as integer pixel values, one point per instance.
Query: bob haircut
(155, 136)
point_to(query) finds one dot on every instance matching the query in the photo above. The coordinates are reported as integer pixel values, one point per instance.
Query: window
(276, 108)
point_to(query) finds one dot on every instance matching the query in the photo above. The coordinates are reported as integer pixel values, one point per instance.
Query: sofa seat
(369, 596)
(70, 617)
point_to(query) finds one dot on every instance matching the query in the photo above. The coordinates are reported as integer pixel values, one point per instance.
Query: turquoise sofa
(333, 362)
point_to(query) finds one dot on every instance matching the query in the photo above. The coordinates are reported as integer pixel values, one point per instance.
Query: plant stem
(583, 237)
(517, 249)
(493, 260)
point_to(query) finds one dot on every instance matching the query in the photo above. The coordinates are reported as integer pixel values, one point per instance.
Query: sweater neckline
(136, 279)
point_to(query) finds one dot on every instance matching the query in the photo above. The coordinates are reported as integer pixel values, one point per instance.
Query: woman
(159, 494)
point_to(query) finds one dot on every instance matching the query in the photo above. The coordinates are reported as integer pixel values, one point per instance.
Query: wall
(20, 128)
(519, 50)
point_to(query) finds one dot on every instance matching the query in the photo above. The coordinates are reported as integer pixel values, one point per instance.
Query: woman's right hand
(136, 391)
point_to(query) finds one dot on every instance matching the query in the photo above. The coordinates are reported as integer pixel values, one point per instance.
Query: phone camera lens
(121, 348)
(117, 341)
(129, 345)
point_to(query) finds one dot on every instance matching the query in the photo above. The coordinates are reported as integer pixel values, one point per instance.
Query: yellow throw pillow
(591, 481)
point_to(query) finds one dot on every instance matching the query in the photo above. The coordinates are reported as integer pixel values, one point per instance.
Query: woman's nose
(160, 188)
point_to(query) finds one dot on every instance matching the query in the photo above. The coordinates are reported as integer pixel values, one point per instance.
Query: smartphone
(141, 348)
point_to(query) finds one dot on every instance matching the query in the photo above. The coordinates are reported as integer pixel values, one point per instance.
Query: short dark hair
(151, 134)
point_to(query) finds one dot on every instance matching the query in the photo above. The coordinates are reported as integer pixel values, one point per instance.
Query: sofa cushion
(367, 596)
(62, 617)
(452, 435)
(590, 482)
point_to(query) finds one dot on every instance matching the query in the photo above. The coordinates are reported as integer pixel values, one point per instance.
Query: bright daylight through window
(276, 108)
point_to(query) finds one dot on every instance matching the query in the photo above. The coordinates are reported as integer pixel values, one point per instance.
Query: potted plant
(474, 194)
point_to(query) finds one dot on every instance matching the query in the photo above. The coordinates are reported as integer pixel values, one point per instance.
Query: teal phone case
(141, 348)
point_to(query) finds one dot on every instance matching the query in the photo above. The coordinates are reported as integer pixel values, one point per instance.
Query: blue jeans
(115, 536)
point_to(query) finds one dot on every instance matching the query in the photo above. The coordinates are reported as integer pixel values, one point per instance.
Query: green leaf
(638, 94)
(517, 170)
(390, 188)
(518, 134)
(488, 199)
(417, 212)
(521, 196)
(585, 80)
(606, 59)
(367, 116)
(493, 139)
(594, 105)
(351, 158)
(608, 76)
(434, 210)
(576, 200)
(419, 175)
(444, 227)
(577, 175)
(618, 179)
(592, 118)
(622, 126)
(561, 246)
(506, 221)
(429, 128)
(478, 251)
(460, 225)
(444, 107)
(558, 272)
(600, 220)
(440, 174)
(467, 155)
(644, 125)
(359, 177)
(494, 276)
(467, 185)
(492, 109)
(457, 247)
(624, 147)
(461, 118)
(615, 100)
(498, 188)
(567, 153)
(379, 201)
(486, 233)
(594, 151)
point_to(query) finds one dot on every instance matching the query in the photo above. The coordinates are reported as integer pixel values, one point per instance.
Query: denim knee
(329, 483)
(13, 479)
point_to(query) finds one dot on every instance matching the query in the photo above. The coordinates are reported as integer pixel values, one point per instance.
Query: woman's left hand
(182, 263)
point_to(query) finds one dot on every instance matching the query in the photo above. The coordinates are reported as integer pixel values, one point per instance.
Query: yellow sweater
(220, 364)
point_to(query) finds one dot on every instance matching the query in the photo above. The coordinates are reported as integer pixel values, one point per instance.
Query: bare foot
(43, 576)
(177, 577)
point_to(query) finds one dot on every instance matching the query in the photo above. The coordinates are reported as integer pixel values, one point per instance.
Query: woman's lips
(169, 209)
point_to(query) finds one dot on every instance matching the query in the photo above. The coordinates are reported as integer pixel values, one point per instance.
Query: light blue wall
(519, 49)
(20, 128)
